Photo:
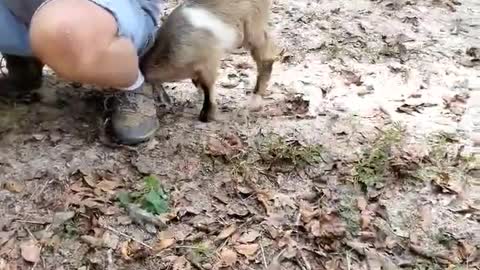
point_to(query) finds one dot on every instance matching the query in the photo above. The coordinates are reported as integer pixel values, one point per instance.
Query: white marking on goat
(204, 19)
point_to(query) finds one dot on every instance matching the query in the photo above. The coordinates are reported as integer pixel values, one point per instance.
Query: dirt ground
(362, 157)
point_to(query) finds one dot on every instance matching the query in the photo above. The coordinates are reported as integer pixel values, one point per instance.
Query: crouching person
(95, 42)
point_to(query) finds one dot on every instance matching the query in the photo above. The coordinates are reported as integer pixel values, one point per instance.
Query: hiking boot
(24, 75)
(134, 118)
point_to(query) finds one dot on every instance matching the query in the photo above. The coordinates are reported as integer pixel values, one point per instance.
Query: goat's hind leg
(205, 80)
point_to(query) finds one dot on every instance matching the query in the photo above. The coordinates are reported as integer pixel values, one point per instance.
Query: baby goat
(195, 36)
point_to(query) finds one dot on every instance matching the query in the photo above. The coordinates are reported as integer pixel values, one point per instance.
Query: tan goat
(198, 33)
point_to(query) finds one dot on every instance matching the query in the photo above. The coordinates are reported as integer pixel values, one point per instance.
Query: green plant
(274, 149)
(153, 198)
(373, 164)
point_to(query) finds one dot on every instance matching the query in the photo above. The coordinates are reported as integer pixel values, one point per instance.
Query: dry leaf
(330, 226)
(282, 200)
(4, 265)
(249, 236)
(247, 249)
(315, 228)
(5, 236)
(125, 250)
(108, 186)
(227, 232)
(14, 186)
(264, 197)
(89, 181)
(216, 147)
(365, 219)
(307, 212)
(92, 241)
(181, 263)
(164, 243)
(361, 203)
(9, 248)
(228, 257)
(110, 240)
(426, 214)
(60, 218)
(30, 251)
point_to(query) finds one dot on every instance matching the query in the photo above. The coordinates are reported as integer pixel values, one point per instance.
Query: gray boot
(24, 75)
(134, 118)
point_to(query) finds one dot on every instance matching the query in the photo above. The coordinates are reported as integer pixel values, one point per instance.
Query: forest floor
(360, 159)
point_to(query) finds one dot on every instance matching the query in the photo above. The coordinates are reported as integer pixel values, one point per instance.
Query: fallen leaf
(227, 232)
(5, 236)
(352, 78)
(365, 219)
(216, 147)
(275, 264)
(314, 226)
(331, 226)
(14, 186)
(426, 214)
(249, 236)
(181, 263)
(247, 249)
(108, 185)
(125, 250)
(361, 203)
(4, 265)
(264, 197)
(131, 250)
(164, 243)
(92, 241)
(60, 218)
(307, 212)
(30, 251)
(110, 240)
(89, 181)
(228, 257)
(282, 200)
(277, 220)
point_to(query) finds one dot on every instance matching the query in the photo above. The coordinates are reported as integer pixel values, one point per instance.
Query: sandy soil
(362, 158)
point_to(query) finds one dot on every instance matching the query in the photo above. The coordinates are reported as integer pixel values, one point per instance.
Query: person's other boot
(24, 75)
(134, 118)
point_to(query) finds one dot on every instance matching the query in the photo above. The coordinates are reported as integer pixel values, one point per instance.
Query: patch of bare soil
(361, 158)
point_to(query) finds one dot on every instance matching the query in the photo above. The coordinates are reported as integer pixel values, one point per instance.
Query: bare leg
(80, 48)
(79, 40)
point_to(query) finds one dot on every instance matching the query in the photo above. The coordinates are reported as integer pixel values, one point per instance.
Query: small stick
(263, 255)
(127, 236)
(41, 246)
(305, 261)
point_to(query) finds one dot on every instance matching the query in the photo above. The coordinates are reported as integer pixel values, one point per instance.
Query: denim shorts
(137, 21)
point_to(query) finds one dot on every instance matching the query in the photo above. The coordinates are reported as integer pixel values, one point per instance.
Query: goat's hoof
(255, 103)
(207, 115)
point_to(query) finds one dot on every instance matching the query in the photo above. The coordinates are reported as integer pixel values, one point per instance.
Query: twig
(305, 261)
(33, 222)
(31, 234)
(127, 236)
(41, 246)
(349, 263)
(263, 255)
(188, 247)
(36, 194)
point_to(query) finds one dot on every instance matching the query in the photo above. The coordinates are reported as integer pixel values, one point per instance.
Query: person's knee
(70, 35)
